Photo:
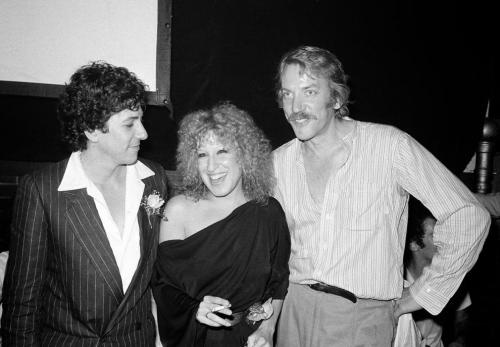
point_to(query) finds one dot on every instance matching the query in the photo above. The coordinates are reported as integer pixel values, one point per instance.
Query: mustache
(301, 115)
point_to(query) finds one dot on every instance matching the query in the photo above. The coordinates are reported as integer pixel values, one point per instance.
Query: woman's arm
(277, 286)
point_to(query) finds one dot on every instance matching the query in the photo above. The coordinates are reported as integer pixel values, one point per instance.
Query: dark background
(427, 67)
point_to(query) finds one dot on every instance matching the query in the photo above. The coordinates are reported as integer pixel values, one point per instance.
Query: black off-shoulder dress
(242, 258)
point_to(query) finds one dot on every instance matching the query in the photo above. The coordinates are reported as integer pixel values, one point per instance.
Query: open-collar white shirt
(355, 239)
(125, 245)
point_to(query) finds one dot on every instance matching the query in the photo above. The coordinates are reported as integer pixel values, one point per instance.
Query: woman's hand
(208, 307)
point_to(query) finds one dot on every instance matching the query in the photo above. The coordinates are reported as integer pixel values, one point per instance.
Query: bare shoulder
(178, 205)
(176, 211)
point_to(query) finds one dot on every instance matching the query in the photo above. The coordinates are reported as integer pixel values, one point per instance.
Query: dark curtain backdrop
(426, 67)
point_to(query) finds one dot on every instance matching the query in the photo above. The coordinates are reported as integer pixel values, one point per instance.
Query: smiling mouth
(302, 120)
(217, 178)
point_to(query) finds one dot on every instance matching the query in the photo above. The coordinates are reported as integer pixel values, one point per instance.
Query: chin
(303, 137)
(130, 161)
(219, 194)
(302, 134)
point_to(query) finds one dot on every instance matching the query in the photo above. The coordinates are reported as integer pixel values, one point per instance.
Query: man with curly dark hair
(85, 230)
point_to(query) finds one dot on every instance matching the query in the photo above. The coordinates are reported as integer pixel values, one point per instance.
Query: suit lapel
(85, 222)
(147, 228)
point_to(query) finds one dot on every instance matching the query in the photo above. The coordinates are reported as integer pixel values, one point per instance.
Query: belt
(322, 287)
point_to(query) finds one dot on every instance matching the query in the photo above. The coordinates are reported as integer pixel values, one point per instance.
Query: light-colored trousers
(315, 319)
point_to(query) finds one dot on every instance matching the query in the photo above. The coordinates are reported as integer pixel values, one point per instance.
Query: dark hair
(232, 126)
(316, 62)
(417, 214)
(96, 92)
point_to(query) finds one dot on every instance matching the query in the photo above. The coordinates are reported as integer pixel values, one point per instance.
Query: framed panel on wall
(43, 42)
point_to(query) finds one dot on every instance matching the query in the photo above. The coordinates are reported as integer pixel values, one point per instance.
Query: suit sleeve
(25, 271)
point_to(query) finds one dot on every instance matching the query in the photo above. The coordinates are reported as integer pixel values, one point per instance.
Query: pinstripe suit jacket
(62, 285)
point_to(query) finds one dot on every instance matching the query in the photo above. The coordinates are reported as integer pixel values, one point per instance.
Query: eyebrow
(128, 118)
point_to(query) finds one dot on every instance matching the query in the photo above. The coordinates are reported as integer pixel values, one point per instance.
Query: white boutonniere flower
(153, 204)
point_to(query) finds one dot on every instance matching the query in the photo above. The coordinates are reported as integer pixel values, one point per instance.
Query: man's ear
(414, 247)
(334, 103)
(93, 135)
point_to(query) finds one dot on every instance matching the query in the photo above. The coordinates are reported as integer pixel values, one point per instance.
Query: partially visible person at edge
(451, 325)
(222, 267)
(82, 247)
(344, 186)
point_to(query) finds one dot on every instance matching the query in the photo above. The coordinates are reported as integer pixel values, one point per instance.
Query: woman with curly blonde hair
(222, 266)
(236, 129)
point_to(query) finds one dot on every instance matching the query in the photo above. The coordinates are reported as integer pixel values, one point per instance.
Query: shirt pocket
(364, 209)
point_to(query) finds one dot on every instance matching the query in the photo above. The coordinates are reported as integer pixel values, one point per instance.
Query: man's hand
(262, 337)
(405, 304)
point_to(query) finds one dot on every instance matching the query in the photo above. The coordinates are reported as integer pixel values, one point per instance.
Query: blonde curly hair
(232, 126)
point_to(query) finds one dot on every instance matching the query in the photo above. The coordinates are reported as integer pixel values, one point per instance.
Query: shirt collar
(75, 178)
(348, 140)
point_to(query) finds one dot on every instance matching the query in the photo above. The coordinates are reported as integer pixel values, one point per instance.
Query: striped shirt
(355, 239)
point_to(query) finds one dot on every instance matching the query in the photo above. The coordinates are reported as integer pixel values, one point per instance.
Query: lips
(217, 178)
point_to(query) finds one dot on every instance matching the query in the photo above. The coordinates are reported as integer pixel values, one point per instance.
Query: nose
(297, 104)
(211, 163)
(141, 132)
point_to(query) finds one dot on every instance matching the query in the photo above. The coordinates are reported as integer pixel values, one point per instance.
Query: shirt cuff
(430, 299)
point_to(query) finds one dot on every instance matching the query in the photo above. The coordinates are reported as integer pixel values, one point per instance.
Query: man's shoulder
(158, 180)
(49, 172)
(284, 149)
(369, 130)
(376, 128)
(152, 165)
